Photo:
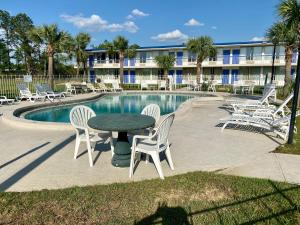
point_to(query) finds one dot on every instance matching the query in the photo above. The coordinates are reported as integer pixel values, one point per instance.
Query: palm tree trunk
(50, 70)
(78, 69)
(288, 68)
(199, 66)
(121, 71)
(166, 78)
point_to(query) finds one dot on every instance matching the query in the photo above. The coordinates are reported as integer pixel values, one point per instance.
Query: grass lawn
(193, 198)
(294, 148)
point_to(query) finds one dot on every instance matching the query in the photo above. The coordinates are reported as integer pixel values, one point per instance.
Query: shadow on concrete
(31, 166)
(23, 155)
(220, 213)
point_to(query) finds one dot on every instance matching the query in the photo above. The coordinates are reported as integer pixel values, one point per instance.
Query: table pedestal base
(122, 151)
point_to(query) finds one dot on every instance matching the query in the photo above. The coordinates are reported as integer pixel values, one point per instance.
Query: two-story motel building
(234, 61)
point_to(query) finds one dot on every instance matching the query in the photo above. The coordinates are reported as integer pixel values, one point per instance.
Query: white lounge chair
(279, 126)
(103, 87)
(144, 85)
(79, 117)
(212, 86)
(162, 85)
(49, 90)
(25, 93)
(4, 99)
(153, 145)
(42, 92)
(116, 87)
(91, 87)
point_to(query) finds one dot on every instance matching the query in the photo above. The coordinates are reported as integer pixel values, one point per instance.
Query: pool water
(123, 103)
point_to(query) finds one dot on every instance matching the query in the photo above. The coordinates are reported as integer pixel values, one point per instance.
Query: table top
(121, 122)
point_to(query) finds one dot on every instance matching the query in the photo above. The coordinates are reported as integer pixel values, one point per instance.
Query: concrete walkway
(35, 159)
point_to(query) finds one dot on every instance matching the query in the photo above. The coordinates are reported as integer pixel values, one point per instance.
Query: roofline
(184, 46)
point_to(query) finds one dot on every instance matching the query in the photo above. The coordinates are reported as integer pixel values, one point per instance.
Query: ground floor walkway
(35, 159)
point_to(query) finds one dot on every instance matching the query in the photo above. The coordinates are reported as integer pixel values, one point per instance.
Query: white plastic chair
(70, 89)
(79, 117)
(153, 145)
(152, 110)
(116, 87)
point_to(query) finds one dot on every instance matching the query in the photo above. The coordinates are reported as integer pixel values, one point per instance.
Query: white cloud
(193, 22)
(258, 39)
(96, 23)
(136, 13)
(175, 35)
(214, 27)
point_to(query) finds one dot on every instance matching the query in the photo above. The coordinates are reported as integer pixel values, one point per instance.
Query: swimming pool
(123, 103)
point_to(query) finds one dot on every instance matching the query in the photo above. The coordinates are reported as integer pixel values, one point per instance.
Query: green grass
(293, 148)
(193, 198)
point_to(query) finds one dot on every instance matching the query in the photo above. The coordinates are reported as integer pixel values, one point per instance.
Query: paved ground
(35, 159)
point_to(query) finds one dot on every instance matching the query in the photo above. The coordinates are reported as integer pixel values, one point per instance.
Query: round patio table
(122, 123)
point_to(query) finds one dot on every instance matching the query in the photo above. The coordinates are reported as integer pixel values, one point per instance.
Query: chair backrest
(163, 83)
(280, 109)
(115, 85)
(39, 88)
(152, 110)
(80, 115)
(68, 85)
(22, 86)
(90, 86)
(267, 94)
(163, 129)
(102, 85)
(47, 87)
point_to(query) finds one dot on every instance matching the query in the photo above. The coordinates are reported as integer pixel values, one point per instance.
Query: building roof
(183, 45)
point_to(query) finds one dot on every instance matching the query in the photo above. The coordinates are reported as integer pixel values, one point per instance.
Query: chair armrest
(142, 137)
(3, 97)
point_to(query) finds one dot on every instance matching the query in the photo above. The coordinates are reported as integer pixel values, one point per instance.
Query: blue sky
(155, 22)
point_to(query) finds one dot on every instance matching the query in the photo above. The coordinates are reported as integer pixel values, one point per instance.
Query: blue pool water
(123, 103)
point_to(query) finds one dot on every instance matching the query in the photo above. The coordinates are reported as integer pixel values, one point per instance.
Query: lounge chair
(266, 112)
(70, 89)
(116, 87)
(42, 92)
(212, 86)
(49, 90)
(153, 145)
(279, 126)
(91, 87)
(103, 87)
(25, 93)
(79, 117)
(4, 99)
(162, 85)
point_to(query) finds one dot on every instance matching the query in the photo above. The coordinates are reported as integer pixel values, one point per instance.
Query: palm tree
(121, 46)
(203, 48)
(55, 41)
(81, 41)
(165, 62)
(281, 33)
(289, 10)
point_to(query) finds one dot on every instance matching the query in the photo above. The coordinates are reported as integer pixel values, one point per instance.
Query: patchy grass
(295, 147)
(193, 198)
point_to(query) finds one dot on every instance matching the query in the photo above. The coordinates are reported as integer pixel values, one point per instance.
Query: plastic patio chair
(153, 145)
(79, 117)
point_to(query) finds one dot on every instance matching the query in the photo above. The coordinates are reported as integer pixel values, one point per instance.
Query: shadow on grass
(166, 215)
(31, 166)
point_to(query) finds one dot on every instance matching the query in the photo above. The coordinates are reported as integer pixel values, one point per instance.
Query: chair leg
(147, 158)
(131, 163)
(169, 158)
(111, 146)
(88, 144)
(156, 160)
(77, 144)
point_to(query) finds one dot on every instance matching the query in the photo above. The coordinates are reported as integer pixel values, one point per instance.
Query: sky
(155, 22)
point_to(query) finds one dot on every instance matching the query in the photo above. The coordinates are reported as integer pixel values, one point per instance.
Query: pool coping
(14, 114)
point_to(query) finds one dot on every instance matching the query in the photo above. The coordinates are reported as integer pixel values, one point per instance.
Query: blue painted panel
(171, 72)
(225, 77)
(234, 75)
(91, 61)
(294, 59)
(236, 56)
(292, 71)
(126, 77)
(132, 61)
(92, 76)
(179, 76)
(132, 76)
(125, 61)
(179, 58)
(226, 56)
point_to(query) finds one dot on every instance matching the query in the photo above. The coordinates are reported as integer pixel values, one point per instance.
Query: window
(277, 52)
(191, 57)
(172, 54)
(213, 58)
(101, 57)
(249, 53)
(143, 57)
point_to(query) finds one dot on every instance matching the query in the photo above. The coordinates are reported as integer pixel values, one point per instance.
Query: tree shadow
(31, 166)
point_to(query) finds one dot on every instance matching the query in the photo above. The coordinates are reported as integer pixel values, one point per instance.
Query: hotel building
(233, 61)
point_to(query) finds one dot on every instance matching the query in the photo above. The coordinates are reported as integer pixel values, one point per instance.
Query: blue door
(171, 72)
(225, 77)
(226, 56)
(126, 77)
(179, 58)
(236, 56)
(91, 61)
(234, 75)
(125, 61)
(92, 76)
(294, 58)
(178, 76)
(132, 61)
(132, 76)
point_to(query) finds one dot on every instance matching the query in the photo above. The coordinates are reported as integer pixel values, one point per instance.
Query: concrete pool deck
(34, 158)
